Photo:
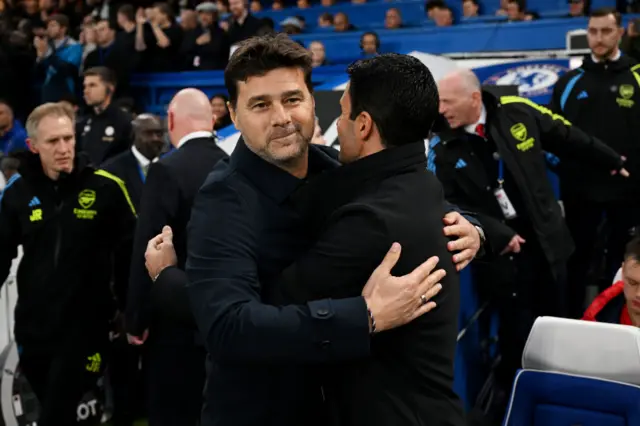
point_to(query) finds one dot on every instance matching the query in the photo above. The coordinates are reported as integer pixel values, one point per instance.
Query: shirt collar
(471, 128)
(270, 179)
(615, 58)
(142, 160)
(194, 135)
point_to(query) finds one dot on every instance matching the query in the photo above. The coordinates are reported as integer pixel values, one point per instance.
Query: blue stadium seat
(577, 373)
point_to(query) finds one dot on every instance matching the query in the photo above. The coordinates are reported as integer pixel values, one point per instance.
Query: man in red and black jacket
(620, 303)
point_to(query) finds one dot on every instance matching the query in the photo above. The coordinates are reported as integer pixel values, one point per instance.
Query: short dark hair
(606, 11)
(399, 93)
(106, 75)
(632, 251)
(257, 56)
(434, 4)
(128, 11)
(109, 23)
(165, 9)
(61, 19)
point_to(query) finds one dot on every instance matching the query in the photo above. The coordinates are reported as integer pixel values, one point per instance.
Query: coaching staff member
(71, 220)
(106, 129)
(384, 193)
(175, 362)
(602, 97)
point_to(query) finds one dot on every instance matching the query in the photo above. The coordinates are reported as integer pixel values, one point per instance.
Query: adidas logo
(34, 202)
(460, 164)
(583, 95)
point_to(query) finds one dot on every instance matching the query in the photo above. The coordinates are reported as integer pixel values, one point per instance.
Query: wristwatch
(482, 236)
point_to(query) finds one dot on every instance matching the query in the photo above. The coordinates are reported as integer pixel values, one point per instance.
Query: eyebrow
(264, 98)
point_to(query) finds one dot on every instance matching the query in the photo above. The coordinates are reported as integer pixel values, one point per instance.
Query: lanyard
(500, 172)
(142, 176)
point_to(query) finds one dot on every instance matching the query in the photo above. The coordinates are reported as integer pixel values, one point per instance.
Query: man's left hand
(467, 242)
(160, 253)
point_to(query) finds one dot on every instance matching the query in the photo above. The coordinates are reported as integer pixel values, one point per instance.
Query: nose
(441, 108)
(280, 115)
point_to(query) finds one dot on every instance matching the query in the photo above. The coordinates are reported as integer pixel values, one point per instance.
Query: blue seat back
(542, 398)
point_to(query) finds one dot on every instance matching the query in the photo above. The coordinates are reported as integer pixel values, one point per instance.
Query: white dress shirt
(194, 135)
(471, 128)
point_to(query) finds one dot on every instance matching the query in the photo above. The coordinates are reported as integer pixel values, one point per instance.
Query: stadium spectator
(291, 26)
(392, 19)
(13, 136)
(220, 111)
(432, 5)
(516, 10)
(327, 3)
(325, 20)
(577, 8)
(277, 5)
(470, 8)
(318, 54)
(443, 16)
(303, 4)
(243, 24)
(158, 39)
(207, 46)
(59, 58)
(255, 6)
(341, 23)
(370, 43)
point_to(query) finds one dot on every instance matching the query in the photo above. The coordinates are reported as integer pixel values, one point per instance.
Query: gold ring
(424, 299)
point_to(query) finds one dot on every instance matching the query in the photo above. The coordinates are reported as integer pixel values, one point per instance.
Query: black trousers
(583, 219)
(61, 376)
(175, 376)
(127, 381)
(536, 290)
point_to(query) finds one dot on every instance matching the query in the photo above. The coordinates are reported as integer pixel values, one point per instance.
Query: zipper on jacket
(58, 243)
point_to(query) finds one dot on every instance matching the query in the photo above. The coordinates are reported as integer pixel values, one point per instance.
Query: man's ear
(232, 114)
(170, 121)
(364, 125)
(32, 146)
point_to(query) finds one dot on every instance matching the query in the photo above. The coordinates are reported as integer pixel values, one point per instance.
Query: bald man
(491, 161)
(175, 362)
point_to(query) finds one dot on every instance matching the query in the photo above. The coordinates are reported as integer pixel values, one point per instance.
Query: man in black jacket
(106, 130)
(175, 394)
(383, 193)
(492, 162)
(602, 97)
(244, 232)
(71, 221)
(133, 165)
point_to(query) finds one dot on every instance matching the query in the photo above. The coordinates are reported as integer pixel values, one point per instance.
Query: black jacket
(71, 230)
(210, 56)
(126, 167)
(521, 130)
(356, 213)
(170, 188)
(105, 135)
(604, 101)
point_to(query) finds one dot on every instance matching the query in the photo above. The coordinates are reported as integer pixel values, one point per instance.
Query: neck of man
(129, 27)
(610, 56)
(148, 153)
(52, 174)
(298, 167)
(99, 109)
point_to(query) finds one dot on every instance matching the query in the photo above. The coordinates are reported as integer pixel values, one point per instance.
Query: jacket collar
(622, 64)
(326, 193)
(271, 180)
(31, 167)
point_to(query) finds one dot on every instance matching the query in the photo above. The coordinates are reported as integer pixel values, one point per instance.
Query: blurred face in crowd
(513, 11)
(148, 135)
(340, 22)
(159, 17)
(30, 6)
(303, 4)
(369, 42)
(459, 104)
(576, 7)
(207, 19)
(55, 31)
(603, 36)
(277, 5)
(631, 278)
(95, 91)
(318, 54)
(188, 20)
(469, 9)
(219, 107)
(256, 6)
(55, 142)
(6, 118)
(104, 34)
(392, 19)
(442, 17)
(327, 2)
(237, 8)
(324, 21)
(276, 115)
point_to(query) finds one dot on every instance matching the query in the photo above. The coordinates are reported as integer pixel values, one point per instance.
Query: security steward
(602, 97)
(491, 161)
(75, 224)
(106, 131)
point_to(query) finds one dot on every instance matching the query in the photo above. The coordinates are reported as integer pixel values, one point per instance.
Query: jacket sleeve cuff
(342, 330)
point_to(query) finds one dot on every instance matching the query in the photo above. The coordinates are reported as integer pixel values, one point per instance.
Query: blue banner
(535, 78)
